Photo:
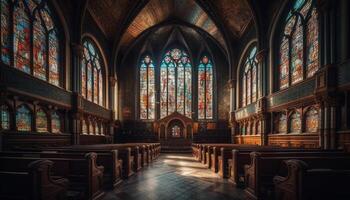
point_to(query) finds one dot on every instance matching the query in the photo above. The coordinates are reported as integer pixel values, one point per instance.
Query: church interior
(175, 99)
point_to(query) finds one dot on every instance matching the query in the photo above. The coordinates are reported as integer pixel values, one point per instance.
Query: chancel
(174, 99)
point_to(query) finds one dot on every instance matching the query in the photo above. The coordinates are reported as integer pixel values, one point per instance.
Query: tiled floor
(175, 177)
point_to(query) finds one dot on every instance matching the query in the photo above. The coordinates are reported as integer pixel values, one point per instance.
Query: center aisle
(178, 177)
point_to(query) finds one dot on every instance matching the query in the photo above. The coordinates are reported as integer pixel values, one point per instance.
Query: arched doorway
(176, 129)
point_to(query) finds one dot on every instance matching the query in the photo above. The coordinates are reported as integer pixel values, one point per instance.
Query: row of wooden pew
(271, 172)
(72, 172)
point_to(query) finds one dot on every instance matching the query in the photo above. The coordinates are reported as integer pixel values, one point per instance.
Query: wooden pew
(316, 179)
(85, 177)
(108, 159)
(35, 183)
(258, 175)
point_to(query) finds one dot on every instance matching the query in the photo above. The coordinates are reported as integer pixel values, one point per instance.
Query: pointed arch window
(250, 78)
(91, 73)
(176, 83)
(31, 37)
(205, 89)
(5, 118)
(23, 118)
(55, 123)
(147, 88)
(295, 123)
(41, 121)
(299, 47)
(281, 123)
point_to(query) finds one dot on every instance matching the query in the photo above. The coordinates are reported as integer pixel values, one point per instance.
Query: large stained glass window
(300, 39)
(35, 44)
(295, 123)
(205, 89)
(91, 73)
(147, 88)
(311, 121)
(5, 118)
(176, 83)
(55, 123)
(41, 121)
(249, 80)
(23, 118)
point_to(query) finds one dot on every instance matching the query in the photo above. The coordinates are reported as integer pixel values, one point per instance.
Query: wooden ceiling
(110, 14)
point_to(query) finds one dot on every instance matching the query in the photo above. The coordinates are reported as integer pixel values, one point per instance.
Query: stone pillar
(233, 123)
(261, 56)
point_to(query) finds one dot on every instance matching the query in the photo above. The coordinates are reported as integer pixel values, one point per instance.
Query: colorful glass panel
(5, 118)
(311, 121)
(96, 83)
(205, 89)
(39, 50)
(23, 119)
(92, 88)
(147, 89)
(295, 123)
(312, 45)
(244, 92)
(297, 54)
(284, 64)
(22, 36)
(55, 123)
(5, 32)
(301, 19)
(54, 59)
(176, 83)
(41, 121)
(250, 78)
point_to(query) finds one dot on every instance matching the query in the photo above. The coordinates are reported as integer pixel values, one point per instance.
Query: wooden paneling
(248, 139)
(294, 140)
(344, 140)
(11, 140)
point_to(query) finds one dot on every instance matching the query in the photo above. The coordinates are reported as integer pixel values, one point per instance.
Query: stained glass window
(35, 42)
(55, 123)
(250, 86)
(311, 121)
(5, 32)
(41, 121)
(282, 123)
(91, 73)
(300, 39)
(147, 88)
(23, 119)
(176, 83)
(295, 123)
(205, 89)
(5, 118)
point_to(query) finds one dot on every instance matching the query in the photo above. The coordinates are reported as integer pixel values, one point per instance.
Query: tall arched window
(205, 89)
(147, 88)
(91, 73)
(23, 118)
(176, 83)
(5, 117)
(41, 121)
(55, 123)
(35, 40)
(299, 47)
(250, 78)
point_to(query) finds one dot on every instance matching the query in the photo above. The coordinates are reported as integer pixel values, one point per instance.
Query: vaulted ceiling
(111, 15)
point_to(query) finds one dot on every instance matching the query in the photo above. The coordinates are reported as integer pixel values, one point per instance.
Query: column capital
(77, 49)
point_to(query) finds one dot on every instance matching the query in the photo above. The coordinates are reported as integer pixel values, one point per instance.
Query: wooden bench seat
(328, 179)
(85, 177)
(258, 175)
(34, 183)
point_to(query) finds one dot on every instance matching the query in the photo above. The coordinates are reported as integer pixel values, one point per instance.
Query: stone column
(233, 123)
(261, 57)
